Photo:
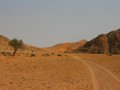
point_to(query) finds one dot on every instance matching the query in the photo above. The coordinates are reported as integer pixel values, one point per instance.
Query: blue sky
(47, 22)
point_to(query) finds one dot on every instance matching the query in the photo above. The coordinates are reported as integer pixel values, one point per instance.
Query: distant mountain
(104, 43)
(66, 47)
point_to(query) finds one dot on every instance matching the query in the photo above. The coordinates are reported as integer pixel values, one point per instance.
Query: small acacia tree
(16, 44)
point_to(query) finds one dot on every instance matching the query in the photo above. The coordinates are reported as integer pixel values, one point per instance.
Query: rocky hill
(67, 47)
(4, 45)
(104, 43)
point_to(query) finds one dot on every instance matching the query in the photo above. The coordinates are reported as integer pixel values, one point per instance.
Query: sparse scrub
(32, 55)
(27, 54)
(18, 54)
(5, 53)
(66, 55)
(45, 55)
(52, 53)
(59, 55)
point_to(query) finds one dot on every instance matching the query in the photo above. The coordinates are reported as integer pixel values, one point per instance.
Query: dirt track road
(103, 79)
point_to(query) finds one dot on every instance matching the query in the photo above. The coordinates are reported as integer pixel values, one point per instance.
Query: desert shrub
(66, 55)
(5, 53)
(20, 52)
(109, 54)
(32, 55)
(59, 55)
(52, 53)
(45, 55)
(27, 54)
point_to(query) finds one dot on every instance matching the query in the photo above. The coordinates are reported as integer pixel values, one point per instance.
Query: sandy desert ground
(105, 70)
(54, 71)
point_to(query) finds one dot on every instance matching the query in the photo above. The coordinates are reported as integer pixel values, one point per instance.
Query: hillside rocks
(103, 44)
(114, 41)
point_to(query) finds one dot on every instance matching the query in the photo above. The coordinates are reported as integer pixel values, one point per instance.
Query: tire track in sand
(94, 80)
(103, 79)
